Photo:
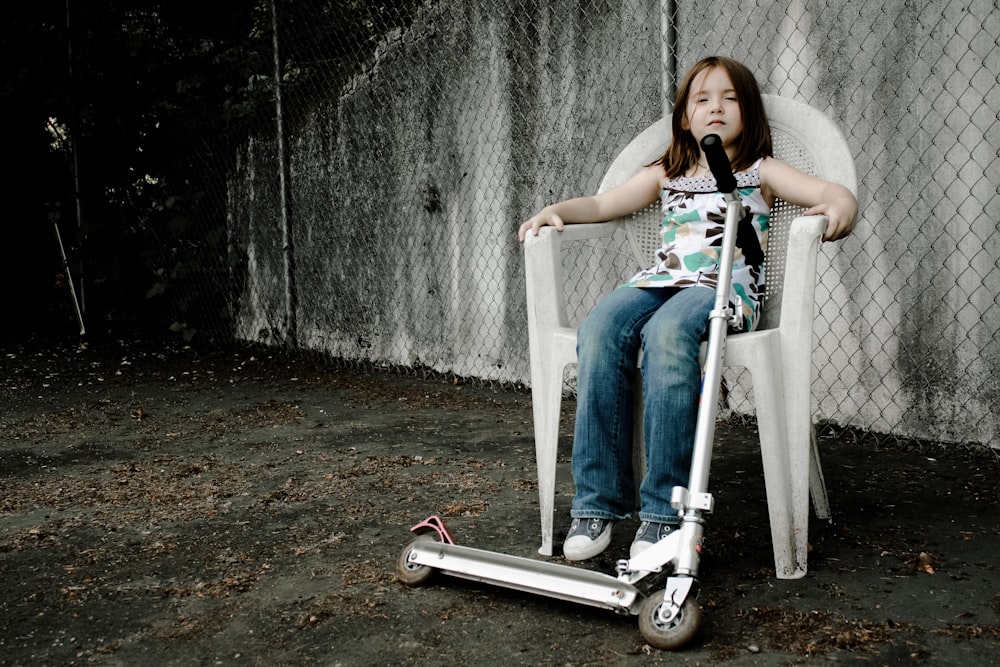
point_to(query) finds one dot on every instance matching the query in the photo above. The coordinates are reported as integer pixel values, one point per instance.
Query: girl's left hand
(841, 220)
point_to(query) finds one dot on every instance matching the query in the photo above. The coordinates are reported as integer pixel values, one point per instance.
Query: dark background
(154, 97)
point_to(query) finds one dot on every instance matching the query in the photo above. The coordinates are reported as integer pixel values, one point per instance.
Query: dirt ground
(182, 507)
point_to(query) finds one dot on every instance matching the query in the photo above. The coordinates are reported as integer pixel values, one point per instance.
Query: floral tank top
(694, 216)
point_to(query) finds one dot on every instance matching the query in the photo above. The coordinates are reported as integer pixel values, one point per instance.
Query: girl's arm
(819, 197)
(635, 193)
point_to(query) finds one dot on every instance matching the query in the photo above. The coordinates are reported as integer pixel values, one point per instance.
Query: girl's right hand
(545, 217)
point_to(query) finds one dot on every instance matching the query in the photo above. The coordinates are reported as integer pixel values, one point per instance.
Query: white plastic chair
(777, 355)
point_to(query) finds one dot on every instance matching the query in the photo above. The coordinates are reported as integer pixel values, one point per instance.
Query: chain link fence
(387, 152)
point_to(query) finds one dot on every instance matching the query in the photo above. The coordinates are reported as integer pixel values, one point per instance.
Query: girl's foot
(587, 538)
(649, 533)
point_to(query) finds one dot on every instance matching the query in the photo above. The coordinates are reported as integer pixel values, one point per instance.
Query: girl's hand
(545, 217)
(841, 213)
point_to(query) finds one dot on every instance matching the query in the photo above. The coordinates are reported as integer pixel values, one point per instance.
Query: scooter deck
(554, 580)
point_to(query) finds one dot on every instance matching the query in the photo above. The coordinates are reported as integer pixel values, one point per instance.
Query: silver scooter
(668, 620)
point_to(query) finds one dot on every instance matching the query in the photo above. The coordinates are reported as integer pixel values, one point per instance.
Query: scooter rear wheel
(413, 574)
(673, 635)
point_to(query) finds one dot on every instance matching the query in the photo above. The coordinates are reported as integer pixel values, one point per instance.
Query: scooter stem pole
(719, 318)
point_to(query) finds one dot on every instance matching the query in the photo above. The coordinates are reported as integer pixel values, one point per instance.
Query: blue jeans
(668, 324)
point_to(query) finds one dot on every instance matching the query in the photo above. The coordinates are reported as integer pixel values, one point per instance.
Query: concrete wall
(408, 185)
(907, 329)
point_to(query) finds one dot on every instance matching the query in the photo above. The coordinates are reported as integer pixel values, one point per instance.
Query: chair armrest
(798, 309)
(798, 293)
(543, 271)
(574, 232)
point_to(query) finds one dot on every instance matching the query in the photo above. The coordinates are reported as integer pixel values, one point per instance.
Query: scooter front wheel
(673, 635)
(413, 574)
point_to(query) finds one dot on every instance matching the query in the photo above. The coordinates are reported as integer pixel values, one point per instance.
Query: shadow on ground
(176, 507)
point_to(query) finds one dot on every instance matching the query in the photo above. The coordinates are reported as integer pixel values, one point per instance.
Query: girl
(664, 309)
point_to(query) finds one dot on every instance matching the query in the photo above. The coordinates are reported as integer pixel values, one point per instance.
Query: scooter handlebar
(718, 162)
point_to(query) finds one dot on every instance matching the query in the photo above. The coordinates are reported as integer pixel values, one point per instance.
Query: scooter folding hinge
(725, 313)
(701, 501)
(682, 499)
(736, 315)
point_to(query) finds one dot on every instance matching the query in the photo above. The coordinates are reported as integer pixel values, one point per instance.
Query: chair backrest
(802, 136)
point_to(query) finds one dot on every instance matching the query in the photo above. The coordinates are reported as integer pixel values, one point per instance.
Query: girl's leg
(671, 375)
(607, 348)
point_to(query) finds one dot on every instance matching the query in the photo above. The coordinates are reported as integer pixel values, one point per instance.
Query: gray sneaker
(587, 538)
(649, 533)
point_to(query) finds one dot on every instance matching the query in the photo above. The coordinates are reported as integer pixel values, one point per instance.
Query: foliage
(146, 104)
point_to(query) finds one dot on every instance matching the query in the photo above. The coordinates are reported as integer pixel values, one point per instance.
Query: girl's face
(712, 108)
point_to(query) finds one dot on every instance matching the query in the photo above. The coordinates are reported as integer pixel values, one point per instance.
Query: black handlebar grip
(718, 162)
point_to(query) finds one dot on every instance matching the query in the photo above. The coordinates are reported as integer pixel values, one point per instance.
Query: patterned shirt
(694, 216)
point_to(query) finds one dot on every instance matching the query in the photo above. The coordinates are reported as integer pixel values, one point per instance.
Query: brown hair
(755, 141)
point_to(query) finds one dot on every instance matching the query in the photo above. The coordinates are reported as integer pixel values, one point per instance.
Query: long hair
(755, 140)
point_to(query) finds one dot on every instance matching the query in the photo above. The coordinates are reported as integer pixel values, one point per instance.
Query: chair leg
(773, 450)
(817, 483)
(546, 400)
(790, 550)
(802, 462)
